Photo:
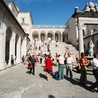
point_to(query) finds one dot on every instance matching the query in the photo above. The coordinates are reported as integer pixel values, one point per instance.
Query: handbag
(29, 65)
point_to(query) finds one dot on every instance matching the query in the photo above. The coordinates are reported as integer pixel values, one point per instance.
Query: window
(83, 32)
(23, 20)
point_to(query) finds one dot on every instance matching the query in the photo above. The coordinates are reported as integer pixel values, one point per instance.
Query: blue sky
(51, 12)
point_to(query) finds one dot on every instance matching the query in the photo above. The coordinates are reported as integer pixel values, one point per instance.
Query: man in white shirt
(69, 63)
(95, 72)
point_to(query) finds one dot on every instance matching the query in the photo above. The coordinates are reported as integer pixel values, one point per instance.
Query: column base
(2, 65)
(17, 61)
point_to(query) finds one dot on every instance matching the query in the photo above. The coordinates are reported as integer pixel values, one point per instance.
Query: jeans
(61, 71)
(69, 70)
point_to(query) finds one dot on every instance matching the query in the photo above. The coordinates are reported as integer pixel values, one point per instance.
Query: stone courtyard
(15, 82)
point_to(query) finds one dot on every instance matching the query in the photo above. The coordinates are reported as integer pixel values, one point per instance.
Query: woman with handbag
(29, 66)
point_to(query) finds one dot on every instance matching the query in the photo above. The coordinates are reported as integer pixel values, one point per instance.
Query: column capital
(80, 26)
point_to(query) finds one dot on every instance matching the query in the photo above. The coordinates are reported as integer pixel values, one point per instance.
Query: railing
(48, 26)
(88, 34)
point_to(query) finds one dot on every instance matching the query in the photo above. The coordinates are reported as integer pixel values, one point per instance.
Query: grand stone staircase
(60, 48)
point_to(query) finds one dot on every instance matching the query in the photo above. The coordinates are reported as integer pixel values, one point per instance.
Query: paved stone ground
(15, 82)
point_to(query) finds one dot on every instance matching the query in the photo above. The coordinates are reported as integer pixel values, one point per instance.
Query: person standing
(12, 60)
(32, 60)
(29, 65)
(69, 65)
(83, 63)
(78, 65)
(56, 58)
(33, 64)
(41, 59)
(23, 59)
(48, 66)
(95, 72)
(61, 67)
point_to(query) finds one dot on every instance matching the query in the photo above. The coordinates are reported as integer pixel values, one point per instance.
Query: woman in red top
(48, 66)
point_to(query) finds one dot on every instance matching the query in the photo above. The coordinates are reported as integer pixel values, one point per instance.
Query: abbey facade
(82, 28)
(18, 33)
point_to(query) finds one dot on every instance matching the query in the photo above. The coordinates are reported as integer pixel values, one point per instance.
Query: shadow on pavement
(43, 76)
(76, 82)
(51, 96)
(28, 72)
(89, 71)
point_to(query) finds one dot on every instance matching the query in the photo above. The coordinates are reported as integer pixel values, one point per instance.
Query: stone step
(60, 48)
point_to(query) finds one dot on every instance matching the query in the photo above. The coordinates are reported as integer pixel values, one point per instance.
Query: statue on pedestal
(91, 48)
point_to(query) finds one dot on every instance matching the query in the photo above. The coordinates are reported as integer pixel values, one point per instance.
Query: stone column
(61, 37)
(81, 42)
(46, 37)
(12, 47)
(23, 47)
(18, 51)
(53, 37)
(39, 35)
(2, 49)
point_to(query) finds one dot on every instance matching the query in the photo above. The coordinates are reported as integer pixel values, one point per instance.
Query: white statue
(87, 7)
(96, 6)
(91, 48)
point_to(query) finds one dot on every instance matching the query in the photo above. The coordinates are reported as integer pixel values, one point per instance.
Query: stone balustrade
(48, 26)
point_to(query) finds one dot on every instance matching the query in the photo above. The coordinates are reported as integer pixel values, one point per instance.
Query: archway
(65, 36)
(7, 44)
(35, 36)
(50, 36)
(56, 37)
(42, 37)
